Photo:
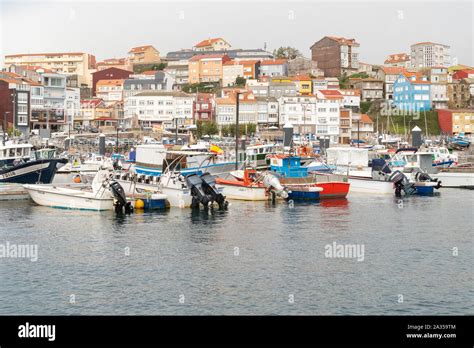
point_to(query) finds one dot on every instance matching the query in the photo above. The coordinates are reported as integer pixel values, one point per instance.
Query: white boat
(460, 176)
(100, 198)
(90, 165)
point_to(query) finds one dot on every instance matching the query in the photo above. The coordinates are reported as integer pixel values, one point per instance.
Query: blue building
(411, 92)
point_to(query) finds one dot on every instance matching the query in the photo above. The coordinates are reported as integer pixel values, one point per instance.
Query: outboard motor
(424, 177)
(195, 183)
(120, 202)
(272, 183)
(209, 185)
(401, 182)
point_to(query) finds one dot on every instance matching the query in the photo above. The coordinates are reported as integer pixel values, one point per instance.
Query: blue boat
(289, 168)
(21, 165)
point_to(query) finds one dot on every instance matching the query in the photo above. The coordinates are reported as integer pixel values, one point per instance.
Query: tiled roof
(364, 118)
(389, 70)
(208, 42)
(343, 40)
(273, 62)
(397, 58)
(418, 77)
(163, 94)
(139, 49)
(91, 102)
(428, 43)
(44, 54)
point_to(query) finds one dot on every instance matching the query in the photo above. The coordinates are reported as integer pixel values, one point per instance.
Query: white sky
(109, 29)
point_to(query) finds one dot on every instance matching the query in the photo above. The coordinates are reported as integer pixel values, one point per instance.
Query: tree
(344, 81)
(286, 53)
(240, 81)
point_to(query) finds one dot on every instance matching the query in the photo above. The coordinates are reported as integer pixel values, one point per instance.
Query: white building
(110, 91)
(429, 54)
(226, 109)
(230, 71)
(300, 111)
(72, 104)
(159, 109)
(350, 98)
(267, 109)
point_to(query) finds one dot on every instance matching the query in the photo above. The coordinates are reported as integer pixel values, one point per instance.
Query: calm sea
(255, 258)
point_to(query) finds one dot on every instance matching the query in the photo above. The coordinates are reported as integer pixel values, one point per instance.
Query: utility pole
(358, 133)
(4, 126)
(237, 131)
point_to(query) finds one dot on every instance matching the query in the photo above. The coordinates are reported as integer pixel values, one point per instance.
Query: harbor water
(255, 258)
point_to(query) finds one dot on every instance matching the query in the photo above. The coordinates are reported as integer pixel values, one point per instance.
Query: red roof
(139, 49)
(273, 62)
(389, 70)
(330, 93)
(208, 42)
(365, 119)
(44, 54)
(91, 102)
(418, 77)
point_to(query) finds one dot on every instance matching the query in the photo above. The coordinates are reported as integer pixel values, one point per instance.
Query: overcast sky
(109, 29)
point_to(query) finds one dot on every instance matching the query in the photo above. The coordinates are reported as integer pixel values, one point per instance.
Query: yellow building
(143, 55)
(304, 84)
(455, 121)
(68, 63)
(206, 67)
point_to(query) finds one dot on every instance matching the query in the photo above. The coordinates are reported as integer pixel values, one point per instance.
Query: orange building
(207, 67)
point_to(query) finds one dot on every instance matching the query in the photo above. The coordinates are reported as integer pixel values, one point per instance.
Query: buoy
(77, 179)
(139, 204)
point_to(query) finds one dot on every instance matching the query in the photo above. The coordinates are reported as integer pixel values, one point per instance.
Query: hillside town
(330, 94)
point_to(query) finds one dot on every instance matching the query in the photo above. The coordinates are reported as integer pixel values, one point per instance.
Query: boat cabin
(9, 153)
(287, 166)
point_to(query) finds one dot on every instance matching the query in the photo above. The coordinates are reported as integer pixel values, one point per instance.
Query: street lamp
(237, 104)
(119, 126)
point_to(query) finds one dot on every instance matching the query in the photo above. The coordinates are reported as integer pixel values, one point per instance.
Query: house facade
(274, 67)
(336, 56)
(429, 54)
(159, 109)
(207, 68)
(455, 121)
(411, 92)
(67, 63)
(216, 44)
(143, 55)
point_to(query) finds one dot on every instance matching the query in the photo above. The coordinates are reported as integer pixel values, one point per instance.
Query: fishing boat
(382, 177)
(22, 164)
(458, 176)
(255, 156)
(181, 187)
(151, 159)
(96, 198)
(459, 142)
(249, 185)
(296, 178)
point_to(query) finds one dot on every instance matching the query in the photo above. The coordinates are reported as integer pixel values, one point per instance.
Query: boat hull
(67, 198)
(333, 189)
(243, 193)
(368, 185)
(457, 180)
(33, 172)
